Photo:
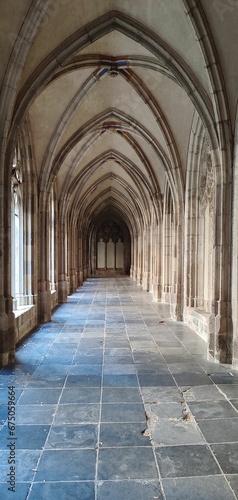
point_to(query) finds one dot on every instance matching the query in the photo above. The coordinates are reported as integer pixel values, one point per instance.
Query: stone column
(44, 293)
(7, 318)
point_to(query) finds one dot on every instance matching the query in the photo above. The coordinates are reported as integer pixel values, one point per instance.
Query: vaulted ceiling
(110, 90)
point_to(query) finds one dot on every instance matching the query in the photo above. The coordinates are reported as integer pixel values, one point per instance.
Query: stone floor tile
(63, 491)
(120, 381)
(80, 395)
(175, 432)
(26, 463)
(28, 437)
(223, 430)
(84, 369)
(233, 481)
(151, 380)
(4, 395)
(165, 410)
(152, 368)
(212, 409)
(161, 394)
(20, 491)
(229, 390)
(83, 381)
(39, 396)
(203, 393)
(77, 413)
(225, 378)
(234, 402)
(199, 488)
(185, 461)
(72, 436)
(30, 414)
(75, 465)
(134, 490)
(119, 369)
(121, 395)
(119, 434)
(227, 456)
(186, 379)
(133, 463)
(188, 367)
(84, 359)
(121, 412)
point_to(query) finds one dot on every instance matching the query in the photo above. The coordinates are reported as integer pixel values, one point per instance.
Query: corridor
(116, 401)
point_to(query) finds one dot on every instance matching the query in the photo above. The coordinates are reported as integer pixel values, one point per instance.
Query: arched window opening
(52, 241)
(110, 246)
(17, 232)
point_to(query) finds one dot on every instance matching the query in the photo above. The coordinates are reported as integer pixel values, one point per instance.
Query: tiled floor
(115, 401)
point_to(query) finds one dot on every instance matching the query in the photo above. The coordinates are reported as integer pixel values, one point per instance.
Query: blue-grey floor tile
(189, 367)
(235, 403)
(77, 413)
(152, 368)
(177, 358)
(18, 369)
(212, 409)
(202, 393)
(123, 463)
(119, 369)
(233, 481)
(199, 488)
(86, 360)
(39, 396)
(224, 378)
(4, 395)
(118, 352)
(16, 381)
(80, 395)
(129, 490)
(72, 436)
(57, 360)
(3, 414)
(67, 465)
(231, 391)
(120, 381)
(186, 379)
(153, 380)
(63, 491)
(121, 395)
(96, 353)
(121, 412)
(144, 358)
(185, 461)
(83, 381)
(174, 432)
(30, 414)
(161, 394)
(227, 456)
(25, 462)
(223, 430)
(165, 411)
(123, 360)
(47, 381)
(20, 491)
(27, 437)
(91, 343)
(119, 434)
(85, 369)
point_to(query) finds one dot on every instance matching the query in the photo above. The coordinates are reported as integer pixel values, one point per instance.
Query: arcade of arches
(118, 156)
